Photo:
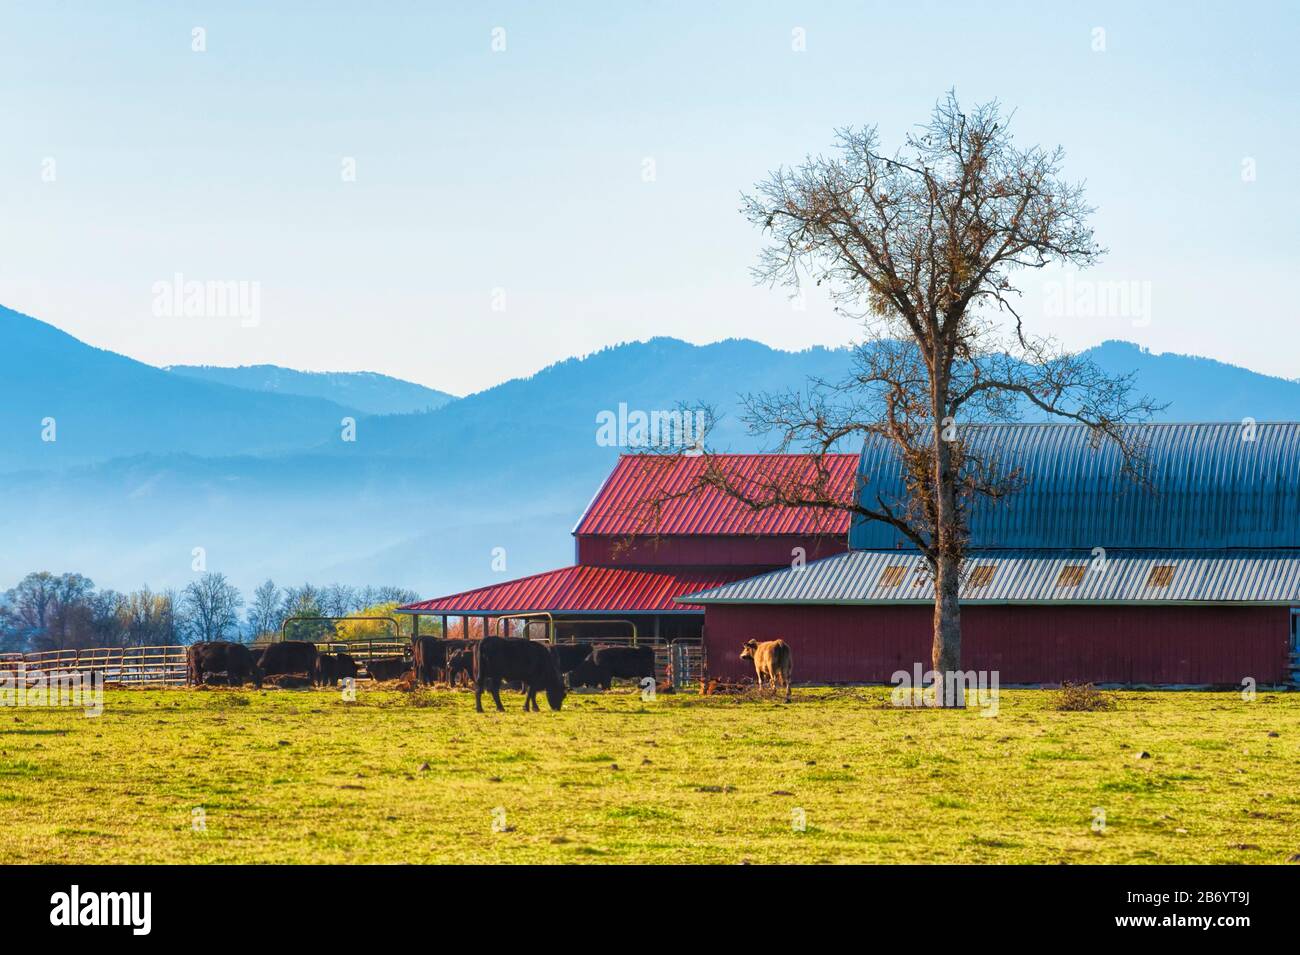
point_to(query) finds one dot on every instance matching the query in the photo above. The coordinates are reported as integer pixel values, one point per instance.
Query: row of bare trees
(46, 611)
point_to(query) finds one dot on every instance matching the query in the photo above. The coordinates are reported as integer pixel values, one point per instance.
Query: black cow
(388, 669)
(499, 658)
(430, 655)
(289, 656)
(460, 663)
(569, 655)
(232, 659)
(332, 667)
(606, 663)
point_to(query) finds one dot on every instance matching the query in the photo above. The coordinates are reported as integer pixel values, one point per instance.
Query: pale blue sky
(522, 170)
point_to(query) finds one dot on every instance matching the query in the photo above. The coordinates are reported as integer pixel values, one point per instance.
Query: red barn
(644, 541)
(1083, 575)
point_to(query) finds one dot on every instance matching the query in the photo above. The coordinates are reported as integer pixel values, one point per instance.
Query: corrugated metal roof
(869, 577)
(619, 508)
(586, 589)
(1212, 488)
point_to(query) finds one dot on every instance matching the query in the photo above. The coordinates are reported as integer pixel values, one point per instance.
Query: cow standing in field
(771, 659)
(606, 663)
(497, 659)
(430, 658)
(460, 666)
(232, 659)
(569, 656)
(290, 656)
(393, 669)
(333, 667)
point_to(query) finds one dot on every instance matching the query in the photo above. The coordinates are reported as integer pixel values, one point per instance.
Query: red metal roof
(587, 589)
(620, 508)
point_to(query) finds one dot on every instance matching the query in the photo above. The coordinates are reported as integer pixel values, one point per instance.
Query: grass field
(284, 776)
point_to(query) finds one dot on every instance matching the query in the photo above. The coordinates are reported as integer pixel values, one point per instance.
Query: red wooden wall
(707, 550)
(1025, 644)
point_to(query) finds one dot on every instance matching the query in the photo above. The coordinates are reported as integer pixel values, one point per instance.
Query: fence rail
(132, 665)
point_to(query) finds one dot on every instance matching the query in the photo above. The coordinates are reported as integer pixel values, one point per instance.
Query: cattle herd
(491, 663)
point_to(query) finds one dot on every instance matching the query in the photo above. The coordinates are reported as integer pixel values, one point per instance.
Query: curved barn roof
(1211, 488)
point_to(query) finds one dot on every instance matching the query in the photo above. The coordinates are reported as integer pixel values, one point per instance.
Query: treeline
(45, 611)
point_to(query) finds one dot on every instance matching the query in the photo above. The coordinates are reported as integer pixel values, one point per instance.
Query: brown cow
(771, 658)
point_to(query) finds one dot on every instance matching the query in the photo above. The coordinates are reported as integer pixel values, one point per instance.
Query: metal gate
(680, 663)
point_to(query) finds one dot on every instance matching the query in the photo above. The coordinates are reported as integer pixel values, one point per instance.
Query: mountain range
(256, 470)
(366, 391)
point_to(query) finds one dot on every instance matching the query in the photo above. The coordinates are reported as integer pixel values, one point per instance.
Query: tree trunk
(945, 652)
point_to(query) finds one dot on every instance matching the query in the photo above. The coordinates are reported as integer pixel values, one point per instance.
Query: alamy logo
(190, 298)
(654, 429)
(921, 687)
(103, 908)
(82, 689)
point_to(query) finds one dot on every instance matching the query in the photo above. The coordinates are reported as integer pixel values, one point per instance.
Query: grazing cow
(460, 667)
(289, 656)
(430, 655)
(499, 658)
(388, 669)
(569, 655)
(606, 663)
(771, 659)
(232, 659)
(332, 667)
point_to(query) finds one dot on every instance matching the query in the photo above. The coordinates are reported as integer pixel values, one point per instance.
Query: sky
(459, 194)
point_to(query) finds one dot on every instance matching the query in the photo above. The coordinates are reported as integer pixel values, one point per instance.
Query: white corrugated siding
(858, 577)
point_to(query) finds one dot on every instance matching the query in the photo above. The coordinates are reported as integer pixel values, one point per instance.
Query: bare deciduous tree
(211, 606)
(264, 614)
(921, 246)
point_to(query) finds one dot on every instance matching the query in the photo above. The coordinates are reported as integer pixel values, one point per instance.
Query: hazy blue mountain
(552, 416)
(105, 405)
(156, 464)
(366, 391)
(419, 500)
(1202, 389)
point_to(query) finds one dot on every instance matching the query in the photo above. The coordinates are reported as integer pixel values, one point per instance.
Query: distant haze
(149, 464)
